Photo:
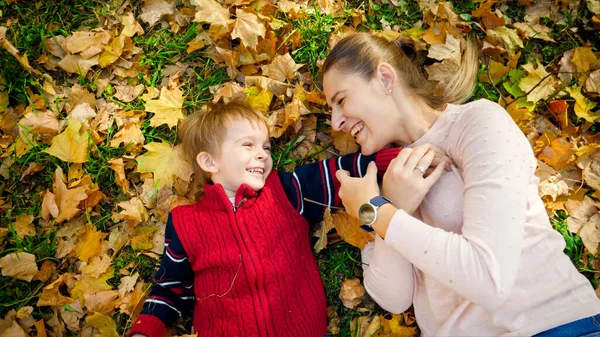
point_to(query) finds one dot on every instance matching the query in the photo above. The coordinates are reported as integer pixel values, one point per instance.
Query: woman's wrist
(385, 213)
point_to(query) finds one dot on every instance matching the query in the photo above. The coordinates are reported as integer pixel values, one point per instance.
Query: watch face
(366, 213)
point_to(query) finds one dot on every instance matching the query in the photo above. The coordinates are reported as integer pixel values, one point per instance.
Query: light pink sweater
(479, 257)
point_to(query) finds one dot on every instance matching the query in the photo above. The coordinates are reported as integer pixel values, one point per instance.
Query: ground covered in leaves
(91, 93)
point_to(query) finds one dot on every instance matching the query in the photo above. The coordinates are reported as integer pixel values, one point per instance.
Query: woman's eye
(341, 101)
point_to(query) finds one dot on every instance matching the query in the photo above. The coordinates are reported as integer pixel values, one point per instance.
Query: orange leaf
(23, 225)
(559, 109)
(89, 243)
(348, 228)
(66, 199)
(558, 154)
(321, 233)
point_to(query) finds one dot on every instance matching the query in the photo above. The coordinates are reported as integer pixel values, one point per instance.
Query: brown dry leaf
(580, 212)
(22, 59)
(211, 12)
(321, 233)
(130, 25)
(86, 42)
(32, 168)
(280, 120)
(82, 112)
(583, 106)
(132, 302)
(105, 324)
(352, 293)
(118, 167)
(590, 233)
(348, 228)
(129, 134)
(72, 144)
(154, 10)
(46, 271)
(23, 225)
(15, 330)
(591, 174)
(112, 51)
(247, 27)
(505, 37)
(97, 266)
(49, 206)
(51, 295)
(101, 301)
(344, 142)
(534, 30)
(165, 162)
(89, 243)
(76, 64)
(168, 109)
(535, 74)
(128, 93)
(133, 211)
(19, 265)
(67, 200)
(592, 83)
(24, 312)
(281, 68)
(359, 326)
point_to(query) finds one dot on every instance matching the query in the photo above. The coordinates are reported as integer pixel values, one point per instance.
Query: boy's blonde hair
(205, 130)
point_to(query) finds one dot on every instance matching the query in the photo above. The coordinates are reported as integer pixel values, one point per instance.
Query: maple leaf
(393, 328)
(590, 234)
(80, 42)
(165, 162)
(539, 81)
(247, 27)
(19, 265)
(51, 295)
(67, 200)
(168, 109)
(348, 228)
(592, 83)
(344, 142)
(130, 25)
(351, 293)
(154, 10)
(584, 58)
(134, 212)
(23, 225)
(582, 105)
(105, 324)
(22, 59)
(258, 100)
(97, 266)
(112, 51)
(89, 243)
(72, 144)
(280, 120)
(13, 330)
(281, 68)
(101, 301)
(211, 12)
(129, 134)
(534, 30)
(558, 153)
(321, 233)
(591, 174)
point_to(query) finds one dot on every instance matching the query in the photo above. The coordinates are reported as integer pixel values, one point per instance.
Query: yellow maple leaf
(105, 325)
(89, 243)
(129, 134)
(112, 51)
(67, 200)
(211, 12)
(348, 228)
(247, 27)
(393, 328)
(165, 162)
(23, 225)
(72, 144)
(168, 108)
(582, 104)
(259, 100)
(538, 80)
(281, 68)
(583, 58)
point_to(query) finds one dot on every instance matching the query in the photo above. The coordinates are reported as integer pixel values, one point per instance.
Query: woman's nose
(337, 120)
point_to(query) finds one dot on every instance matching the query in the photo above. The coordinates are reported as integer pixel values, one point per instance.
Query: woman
(475, 253)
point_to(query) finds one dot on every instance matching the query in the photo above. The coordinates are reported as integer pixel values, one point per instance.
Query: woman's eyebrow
(334, 96)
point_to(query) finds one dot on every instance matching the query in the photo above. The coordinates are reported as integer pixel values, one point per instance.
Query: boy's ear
(206, 162)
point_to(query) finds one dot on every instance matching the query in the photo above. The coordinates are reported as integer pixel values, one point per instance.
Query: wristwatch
(367, 213)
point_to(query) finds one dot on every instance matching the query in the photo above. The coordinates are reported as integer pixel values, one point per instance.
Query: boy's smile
(245, 157)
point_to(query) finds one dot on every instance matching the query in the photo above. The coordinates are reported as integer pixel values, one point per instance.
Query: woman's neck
(418, 122)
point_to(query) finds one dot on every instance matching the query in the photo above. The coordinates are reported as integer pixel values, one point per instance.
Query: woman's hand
(356, 191)
(439, 157)
(406, 181)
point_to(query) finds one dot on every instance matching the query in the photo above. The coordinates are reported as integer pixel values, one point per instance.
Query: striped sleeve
(172, 293)
(313, 187)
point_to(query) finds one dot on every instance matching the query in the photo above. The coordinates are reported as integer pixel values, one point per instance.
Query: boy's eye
(247, 144)
(267, 148)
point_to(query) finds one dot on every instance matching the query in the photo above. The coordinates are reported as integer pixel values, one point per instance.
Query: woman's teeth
(356, 129)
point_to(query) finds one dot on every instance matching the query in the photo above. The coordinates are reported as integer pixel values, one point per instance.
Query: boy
(240, 258)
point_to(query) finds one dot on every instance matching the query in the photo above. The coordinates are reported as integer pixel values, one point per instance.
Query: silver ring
(421, 169)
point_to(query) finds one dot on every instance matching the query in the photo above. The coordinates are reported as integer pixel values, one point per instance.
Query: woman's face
(362, 108)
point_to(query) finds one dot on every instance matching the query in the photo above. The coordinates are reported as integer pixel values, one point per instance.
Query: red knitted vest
(255, 274)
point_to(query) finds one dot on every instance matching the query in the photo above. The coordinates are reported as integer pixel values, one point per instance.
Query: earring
(389, 91)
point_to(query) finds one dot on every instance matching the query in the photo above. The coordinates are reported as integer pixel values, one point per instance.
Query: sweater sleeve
(172, 293)
(313, 187)
(481, 263)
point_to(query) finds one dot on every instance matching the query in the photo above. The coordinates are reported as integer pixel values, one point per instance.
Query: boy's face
(245, 157)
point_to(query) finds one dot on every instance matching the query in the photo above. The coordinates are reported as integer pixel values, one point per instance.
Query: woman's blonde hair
(205, 130)
(360, 53)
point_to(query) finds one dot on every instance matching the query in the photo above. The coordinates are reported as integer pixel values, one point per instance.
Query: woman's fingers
(416, 155)
(424, 163)
(435, 175)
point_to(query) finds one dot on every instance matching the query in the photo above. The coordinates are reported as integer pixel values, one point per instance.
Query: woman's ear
(386, 76)
(206, 163)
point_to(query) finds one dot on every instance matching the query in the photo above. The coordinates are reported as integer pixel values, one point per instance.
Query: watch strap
(379, 200)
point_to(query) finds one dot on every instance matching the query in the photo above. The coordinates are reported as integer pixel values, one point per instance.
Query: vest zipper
(235, 207)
